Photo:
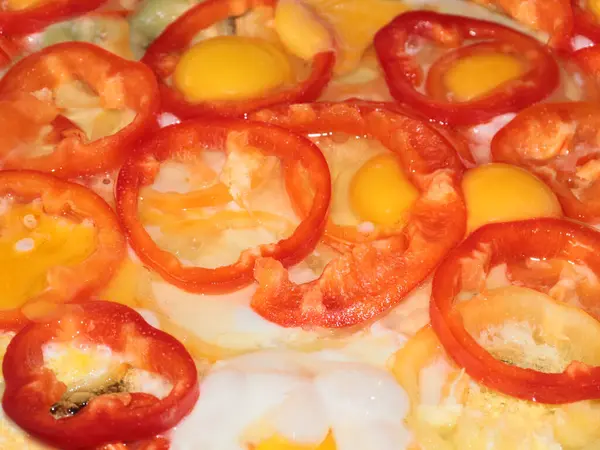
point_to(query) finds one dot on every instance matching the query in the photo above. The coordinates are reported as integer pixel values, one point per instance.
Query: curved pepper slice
(372, 277)
(559, 143)
(586, 21)
(162, 58)
(554, 17)
(494, 244)
(404, 75)
(27, 102)
(62, 198)
(189, 137)
(34, 18)
(32, 389)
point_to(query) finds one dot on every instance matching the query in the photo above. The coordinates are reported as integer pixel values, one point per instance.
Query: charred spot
(74, 401)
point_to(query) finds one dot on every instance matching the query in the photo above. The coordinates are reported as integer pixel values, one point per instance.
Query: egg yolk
(353, 22)
(477, 75)
(280, 443)
(15, 5)
(380, 192)
(230, 68)
(501, 193)
(594, 7)
(300, 31)
(31, 243)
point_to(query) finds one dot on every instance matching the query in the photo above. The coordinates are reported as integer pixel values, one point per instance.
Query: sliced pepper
(62, 198)
(190, 138)
(540, 75)
(28, 89)
(374, 276)
(586, 20)
(559, 143)
(34, 18)
(163, 54)
(33, 390)
(489, 246)
(554, 17)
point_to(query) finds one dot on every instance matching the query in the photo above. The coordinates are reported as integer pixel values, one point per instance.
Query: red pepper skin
(119, 83)
(372, 277)
(550, 128)
(161, 58)
(60, 197)
(36, 18)
(32, 389)
(554, 17)
(403, 74)
(586, 23)
(509, 242)
(192, 136)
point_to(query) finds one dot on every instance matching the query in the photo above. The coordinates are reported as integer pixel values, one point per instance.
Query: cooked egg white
(450, 411)
(299, 398)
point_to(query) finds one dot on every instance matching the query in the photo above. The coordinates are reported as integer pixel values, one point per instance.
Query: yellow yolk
(594, 7)
(380, 192)
(15, 5)
(501, 193)
(279, 443)
(477, 75)
(352, 22)
(230, 68)
(300, 31)
(31, 243)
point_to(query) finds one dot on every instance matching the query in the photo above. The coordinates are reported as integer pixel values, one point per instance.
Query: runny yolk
(501, 193)
(477, 75)
(594, 7)
(15, 5)
(31, 243)
(300, 31)
(230, 68)
(280, 443)
(380, 192)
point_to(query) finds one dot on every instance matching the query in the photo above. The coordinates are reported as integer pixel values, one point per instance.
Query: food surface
(299, 224)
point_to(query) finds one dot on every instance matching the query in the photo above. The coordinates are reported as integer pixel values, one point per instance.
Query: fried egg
(290, 400)
(451, 411)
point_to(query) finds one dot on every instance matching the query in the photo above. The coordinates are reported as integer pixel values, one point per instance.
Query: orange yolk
(594, 7)
(279, 443)
(231, 68)
(477, 75)
(380, 192)
(31, 243)
(501, 193)
(15, 5)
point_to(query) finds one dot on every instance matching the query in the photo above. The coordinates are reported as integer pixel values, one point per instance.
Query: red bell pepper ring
(404, 75)
(588, 60)
(62, 198)
(162, 57)
(554, 17)
(375, 276)
(190, 137)
(119, 83)
(494, 244)
(559, 143)
(37, 17)
(586, 22)
(32, 390)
